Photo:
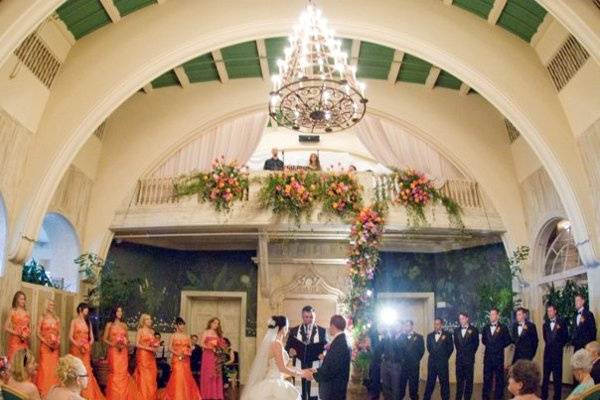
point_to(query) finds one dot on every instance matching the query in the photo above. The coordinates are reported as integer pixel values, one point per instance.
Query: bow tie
(494, 325)
(464, 327)
(521, 324)
(552, 320)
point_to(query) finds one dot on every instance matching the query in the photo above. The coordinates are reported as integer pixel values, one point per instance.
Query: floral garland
(342, 195)
(222, 186)
(415, 191)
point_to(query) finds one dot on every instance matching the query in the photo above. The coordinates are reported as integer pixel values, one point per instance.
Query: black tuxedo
(585, 331)
(466, 347)
(554, 343)
(493, 359)
(526, 344)
(334, 373)
(307, 337)
(413, 347)
(437, 364)
(393, 357)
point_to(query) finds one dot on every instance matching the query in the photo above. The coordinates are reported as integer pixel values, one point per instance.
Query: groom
(308, 332)
(334, 373)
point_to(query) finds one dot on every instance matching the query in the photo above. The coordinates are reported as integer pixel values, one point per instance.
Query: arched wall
(3, 234)
(147, 129)
(90, 88)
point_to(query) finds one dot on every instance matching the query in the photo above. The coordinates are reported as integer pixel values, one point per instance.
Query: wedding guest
(581, 366)
(584, 324)
(313, 162)
(73, 379)
(48, 332)
(145, 366)
(4, 371)
(22, 371)
(594, 349)
(211, 376)
(81, 337)
(196, 358)
(439, 347)
(162, 361)
(413, 346)
(495, 338)
(392, 357)
(120, 385)
(524, 336)
(524, 380)
(231, 372)
(466, 341)
(273, 163)
(351, 168)
(181, 384)
(556, 336)
(17, 325)
(373, 382)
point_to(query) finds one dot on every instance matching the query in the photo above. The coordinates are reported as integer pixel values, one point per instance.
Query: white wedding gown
(273, 386)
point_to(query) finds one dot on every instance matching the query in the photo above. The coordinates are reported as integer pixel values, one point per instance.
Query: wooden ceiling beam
(220, 64)
(111, 10)
(395, 67)
(464, 89)
(496, 10)
(262, 57)
(184, 80)
(354, 52)
(434, 73)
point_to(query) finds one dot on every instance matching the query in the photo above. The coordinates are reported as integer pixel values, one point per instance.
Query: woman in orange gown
(145, 363)
(81, 337)
(17, 326)
(181, 384)
(48, 332)
(120, 385)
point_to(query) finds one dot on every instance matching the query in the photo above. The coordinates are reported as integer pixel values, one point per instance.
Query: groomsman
(413, 347)
(495, 338)
(440, 347)
(391, 363)
(466, 340)
(584, 325)
(524, 336)
(556, 336)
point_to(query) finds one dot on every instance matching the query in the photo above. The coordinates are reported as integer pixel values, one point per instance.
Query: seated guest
(196, 358)
(313, 162)
(524, 380)
(273, 163)
(594, 349)
(231, 372)
(581, 365)
(73, 379)
(22, 371)
(4, 371)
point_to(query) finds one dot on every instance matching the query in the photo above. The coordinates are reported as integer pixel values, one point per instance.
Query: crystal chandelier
(316, 91)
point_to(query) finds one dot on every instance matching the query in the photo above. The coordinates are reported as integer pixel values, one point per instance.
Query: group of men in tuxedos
(401, 351)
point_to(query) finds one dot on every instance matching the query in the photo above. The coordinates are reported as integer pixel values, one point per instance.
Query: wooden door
(228, 310)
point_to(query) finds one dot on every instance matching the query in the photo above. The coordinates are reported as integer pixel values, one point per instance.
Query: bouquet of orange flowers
(25, 333)
(291, 193)
(342, 194)
(121, 342)
(84, 346)
(53, 342)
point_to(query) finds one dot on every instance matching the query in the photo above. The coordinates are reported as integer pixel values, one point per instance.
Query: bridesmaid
(48, 332)
(181, 384)
(81, 337)
(120, 385)
(145, 369)
(17, 326)
(211, 377)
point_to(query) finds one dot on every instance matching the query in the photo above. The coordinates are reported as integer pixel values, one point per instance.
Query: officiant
(307, 333)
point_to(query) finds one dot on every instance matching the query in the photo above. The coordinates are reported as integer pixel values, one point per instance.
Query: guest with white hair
(594, 349)
(581, 365)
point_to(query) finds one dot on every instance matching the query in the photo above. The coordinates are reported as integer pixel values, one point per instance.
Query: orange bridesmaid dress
(120, 385)
(181, 384)
(145, 369)
(81, 334)
(20, 323)
(48, 357)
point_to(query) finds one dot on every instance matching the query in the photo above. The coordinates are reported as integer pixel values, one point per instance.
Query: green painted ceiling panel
(478, 7)
(522, 17)
(275, 48)
(201, 69)
(128, 6)
(447, 80)
(167, 79)
(83, 16)
(241, 60)
(413, 69)
(374, 61)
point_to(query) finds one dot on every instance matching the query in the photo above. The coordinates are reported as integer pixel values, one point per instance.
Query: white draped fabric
(235, 139)
(392, 145)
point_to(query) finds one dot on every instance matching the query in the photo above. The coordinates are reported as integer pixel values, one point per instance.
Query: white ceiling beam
(434, 72)
(262, 57)
(464, 89)
(221, 69)
(496, 11)
(148, 88)
(111, 10)
(448, 2)
(184, 80)
(395, 67)
(354, 52)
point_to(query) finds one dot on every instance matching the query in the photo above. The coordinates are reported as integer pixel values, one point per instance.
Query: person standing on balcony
(273, 163)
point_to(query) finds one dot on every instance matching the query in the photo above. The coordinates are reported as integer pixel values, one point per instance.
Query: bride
(266, 380)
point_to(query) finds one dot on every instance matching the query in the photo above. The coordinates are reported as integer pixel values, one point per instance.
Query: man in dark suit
(495, 337)
(334, 373)
(556, 336)
(594, 349)
(413, 347)
(273, 163)
(195, 359)
(584, 325)
(524, 336)
(392, 356)
(308, 332)
(466, 341)
(440, 347)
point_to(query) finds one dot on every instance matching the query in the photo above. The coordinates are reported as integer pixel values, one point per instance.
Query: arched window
(56, 248)
(560, 250)
(3, 234)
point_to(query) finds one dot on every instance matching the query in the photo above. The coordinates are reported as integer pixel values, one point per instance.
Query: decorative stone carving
(307, 281)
